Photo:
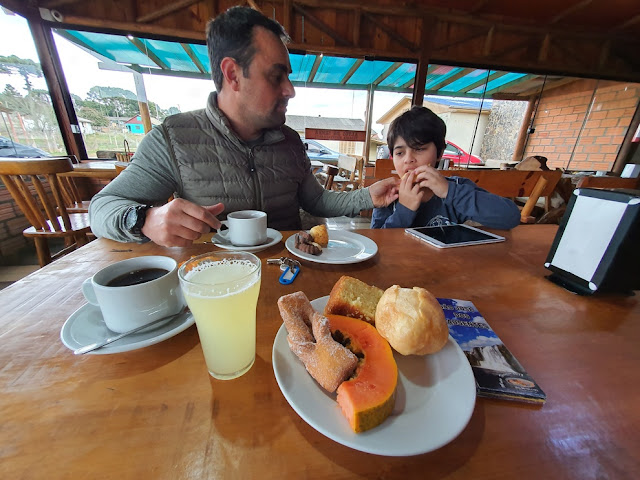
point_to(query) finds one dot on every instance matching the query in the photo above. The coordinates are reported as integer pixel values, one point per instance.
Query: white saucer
(86, 326)
(221, 239)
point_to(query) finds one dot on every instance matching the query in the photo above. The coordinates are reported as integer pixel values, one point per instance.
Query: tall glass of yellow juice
(222, 290)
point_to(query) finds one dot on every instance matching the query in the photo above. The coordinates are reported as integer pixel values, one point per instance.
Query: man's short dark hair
(418, 126)
(230, 34)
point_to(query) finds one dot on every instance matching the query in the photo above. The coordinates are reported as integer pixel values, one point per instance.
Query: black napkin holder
(597, 246)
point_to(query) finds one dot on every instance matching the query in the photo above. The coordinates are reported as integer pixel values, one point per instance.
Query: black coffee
(137, 277)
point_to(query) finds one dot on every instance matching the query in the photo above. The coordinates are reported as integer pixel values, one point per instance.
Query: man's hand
(429, 178)
(179, 222)
(384, 191)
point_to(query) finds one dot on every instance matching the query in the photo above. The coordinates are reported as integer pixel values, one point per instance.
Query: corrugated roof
(162, 57)
(300, 122)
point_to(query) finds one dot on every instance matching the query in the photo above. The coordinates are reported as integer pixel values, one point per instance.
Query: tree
(97, 118)
(97, 93)
(21, 66)
(11, 99)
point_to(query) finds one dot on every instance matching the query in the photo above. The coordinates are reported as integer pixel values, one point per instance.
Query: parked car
(11, 149)
(458, 156)
(317, 151)
(452, 152)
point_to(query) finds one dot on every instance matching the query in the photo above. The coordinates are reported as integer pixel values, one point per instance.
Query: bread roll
(411, 320)
(320, 235)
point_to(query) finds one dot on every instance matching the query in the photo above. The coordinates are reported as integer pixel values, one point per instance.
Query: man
(235, 154)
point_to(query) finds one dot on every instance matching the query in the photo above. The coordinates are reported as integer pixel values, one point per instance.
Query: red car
(452, 152)
(458, 156)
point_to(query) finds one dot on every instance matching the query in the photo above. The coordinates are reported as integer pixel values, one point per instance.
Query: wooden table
(103, 170)
(155, 412)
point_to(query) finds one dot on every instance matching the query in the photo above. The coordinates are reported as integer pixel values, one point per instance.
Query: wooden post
(58, 89)
(524, 129)
(368, 121)
(426, 45)
(625, 153)
(141, 93)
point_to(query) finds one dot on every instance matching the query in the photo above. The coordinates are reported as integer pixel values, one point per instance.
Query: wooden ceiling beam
(390, 32)
(146, 50)
(194, 58)
(387, 72)
(568, 11)
(254, 5)
(314, 69)
(449, 80)
(352, 70)
(58, 3)
(485, 79)
(320, 25)
(627, 23)
(459, 41)
(166, 10)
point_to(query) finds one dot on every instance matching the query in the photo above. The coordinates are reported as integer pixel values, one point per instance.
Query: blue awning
(162, 57)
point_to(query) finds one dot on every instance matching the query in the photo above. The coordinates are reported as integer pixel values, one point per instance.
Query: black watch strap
(136, 216)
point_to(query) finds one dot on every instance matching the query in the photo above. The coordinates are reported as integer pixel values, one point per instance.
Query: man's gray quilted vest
(216, 166)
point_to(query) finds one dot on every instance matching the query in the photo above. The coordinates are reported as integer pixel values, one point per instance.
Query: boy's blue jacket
(464, 201)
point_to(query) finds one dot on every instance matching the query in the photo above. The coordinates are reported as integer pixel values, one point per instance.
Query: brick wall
(559, 132)
(12, 223)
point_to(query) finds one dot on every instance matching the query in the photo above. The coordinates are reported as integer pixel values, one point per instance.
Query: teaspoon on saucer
(102, 343)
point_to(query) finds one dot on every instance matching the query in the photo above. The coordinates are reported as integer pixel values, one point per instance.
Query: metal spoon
(94, 346)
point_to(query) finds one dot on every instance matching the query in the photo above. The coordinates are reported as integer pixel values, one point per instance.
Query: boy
(426, 198)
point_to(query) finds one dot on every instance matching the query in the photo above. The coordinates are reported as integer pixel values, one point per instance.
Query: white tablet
(446, 236)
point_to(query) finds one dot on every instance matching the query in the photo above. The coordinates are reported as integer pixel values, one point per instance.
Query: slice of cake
(354, 298)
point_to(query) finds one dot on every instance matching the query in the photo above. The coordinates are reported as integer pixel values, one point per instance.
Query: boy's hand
(429, 178)
(410, 193)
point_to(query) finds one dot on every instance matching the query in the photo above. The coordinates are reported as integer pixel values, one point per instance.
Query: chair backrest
(608, 182)
(349, 174)
(509, 183)
(383, 168)
(42, 210)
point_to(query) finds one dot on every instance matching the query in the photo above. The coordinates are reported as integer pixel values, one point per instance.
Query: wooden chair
(348, 175)
(48, 216)
(514, 183)
(609, 182)
(72, 198)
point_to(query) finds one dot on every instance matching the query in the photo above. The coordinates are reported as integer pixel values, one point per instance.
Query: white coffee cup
(247, 228)
(126, 307)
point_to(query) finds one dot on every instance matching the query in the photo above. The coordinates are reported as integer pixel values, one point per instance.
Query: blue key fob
(289, 275)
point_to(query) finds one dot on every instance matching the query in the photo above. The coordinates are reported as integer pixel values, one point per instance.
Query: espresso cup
(247, 228)
(134, 292)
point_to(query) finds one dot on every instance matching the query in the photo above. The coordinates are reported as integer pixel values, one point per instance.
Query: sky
(82, 72)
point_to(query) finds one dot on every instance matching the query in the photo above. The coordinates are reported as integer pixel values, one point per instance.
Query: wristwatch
(134, 219)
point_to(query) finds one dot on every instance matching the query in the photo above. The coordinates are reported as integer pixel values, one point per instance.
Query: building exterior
(134, 124)
(459, 114)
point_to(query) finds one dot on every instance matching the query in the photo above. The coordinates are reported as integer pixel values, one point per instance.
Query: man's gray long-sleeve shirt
(197, 156)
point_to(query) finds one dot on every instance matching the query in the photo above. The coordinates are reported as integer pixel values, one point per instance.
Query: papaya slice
(368, 397)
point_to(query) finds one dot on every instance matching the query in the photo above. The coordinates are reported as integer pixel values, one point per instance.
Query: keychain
(290, 269)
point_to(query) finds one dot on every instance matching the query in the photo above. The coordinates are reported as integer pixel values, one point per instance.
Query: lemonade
(222, 293)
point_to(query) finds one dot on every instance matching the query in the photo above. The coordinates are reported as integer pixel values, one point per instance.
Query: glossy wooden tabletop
(156, 413)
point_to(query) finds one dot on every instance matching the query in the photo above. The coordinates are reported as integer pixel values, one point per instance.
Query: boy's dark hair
(230, 34)
(418, 126)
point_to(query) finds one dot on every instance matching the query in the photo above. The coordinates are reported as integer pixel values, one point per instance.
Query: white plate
(344, 247)
(435, 399)
(86, 326)
(221, 239)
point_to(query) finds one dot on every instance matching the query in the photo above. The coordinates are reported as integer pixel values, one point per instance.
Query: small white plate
(86, 326)
(344, 247)
(435, 399)
(221, 239)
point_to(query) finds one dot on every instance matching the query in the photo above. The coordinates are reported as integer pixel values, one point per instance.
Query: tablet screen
(450, 235)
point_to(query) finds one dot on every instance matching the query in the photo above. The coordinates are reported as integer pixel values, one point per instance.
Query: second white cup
(247, 228)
